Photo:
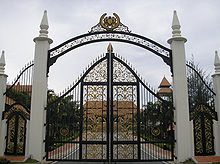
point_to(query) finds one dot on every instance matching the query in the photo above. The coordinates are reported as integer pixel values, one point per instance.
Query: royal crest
(109, 23)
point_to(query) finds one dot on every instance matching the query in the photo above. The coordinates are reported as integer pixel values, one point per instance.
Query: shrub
(4, 161)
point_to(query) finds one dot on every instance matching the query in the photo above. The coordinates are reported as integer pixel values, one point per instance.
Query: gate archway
(106, 116)
(110, 29)
(43, 61)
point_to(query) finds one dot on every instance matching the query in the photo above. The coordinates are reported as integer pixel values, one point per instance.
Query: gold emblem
(109, 23)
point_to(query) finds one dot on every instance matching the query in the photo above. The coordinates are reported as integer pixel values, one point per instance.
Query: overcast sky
(20, 20)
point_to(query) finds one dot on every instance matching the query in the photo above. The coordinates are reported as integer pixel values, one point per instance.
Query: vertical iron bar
(138, 120)
(117, 119)
(81, 119)
(132, 106)
(108, 108)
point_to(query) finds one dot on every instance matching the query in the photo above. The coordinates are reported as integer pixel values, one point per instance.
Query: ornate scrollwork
(21, 135)
(94, 151)
(209, 136)
(64, 131)
(126, 37)
(16, 108)
(125, 151)
(121, 73)
(109, 23)
(155, 131)
(98, 73)
(11, 135)
(198, 136)
(203, 109)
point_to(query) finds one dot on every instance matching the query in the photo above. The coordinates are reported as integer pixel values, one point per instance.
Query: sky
(20, 20)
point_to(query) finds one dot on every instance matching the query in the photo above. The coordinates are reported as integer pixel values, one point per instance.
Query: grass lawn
(27, 161)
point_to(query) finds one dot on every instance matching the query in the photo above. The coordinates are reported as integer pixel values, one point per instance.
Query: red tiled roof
(164, 83)
(19, 87)
(164, 90)
(120, 108)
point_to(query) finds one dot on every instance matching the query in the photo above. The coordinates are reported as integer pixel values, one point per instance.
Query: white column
(39, 92)
(3, 80)
(216, 81)
(183, 128)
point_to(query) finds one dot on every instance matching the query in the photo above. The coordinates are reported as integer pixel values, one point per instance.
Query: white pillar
(39, 92)
(3, 80)
(183, 130)
(216, 81)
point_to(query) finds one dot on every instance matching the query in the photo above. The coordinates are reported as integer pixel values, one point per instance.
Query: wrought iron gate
(17, 111)
(202, 111)
(109, 114)
(17, 117)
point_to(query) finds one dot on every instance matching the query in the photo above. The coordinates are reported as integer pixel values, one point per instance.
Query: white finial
(217, 63)
(44, 25)
(176, 25)
(2, 63)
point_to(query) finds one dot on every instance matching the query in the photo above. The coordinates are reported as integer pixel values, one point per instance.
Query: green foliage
(189, 161)
(63, 113)
(198, 86)
(4, 161)
(165, 146)
(156, 115)
(29, 160)
(20, 97)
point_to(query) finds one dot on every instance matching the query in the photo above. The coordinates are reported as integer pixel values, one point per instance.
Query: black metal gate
(202, 111)
(17, 111)
(109, 114)
(203, 131)
(17, 117)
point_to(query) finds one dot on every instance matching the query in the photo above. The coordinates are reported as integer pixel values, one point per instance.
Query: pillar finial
(176, 30)
(217, 63)
(2, 63)
(44, 25)
(110, 48)
(176, 25)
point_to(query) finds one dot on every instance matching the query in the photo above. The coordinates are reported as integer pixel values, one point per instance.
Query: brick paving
(14, 158)
(207, 159)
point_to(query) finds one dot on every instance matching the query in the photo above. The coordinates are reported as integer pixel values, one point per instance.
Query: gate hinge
(5, 137)
(44, 141)
(45, 124)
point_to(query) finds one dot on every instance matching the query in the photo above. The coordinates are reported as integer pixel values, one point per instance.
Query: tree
(63, 117)
(200, 86)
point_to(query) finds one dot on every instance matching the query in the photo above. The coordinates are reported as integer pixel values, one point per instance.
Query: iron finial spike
(110, 48)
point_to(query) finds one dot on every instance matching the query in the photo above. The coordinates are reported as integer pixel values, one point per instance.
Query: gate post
(3, 80)
(216, 81)
(183, 127)
(39, 92)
